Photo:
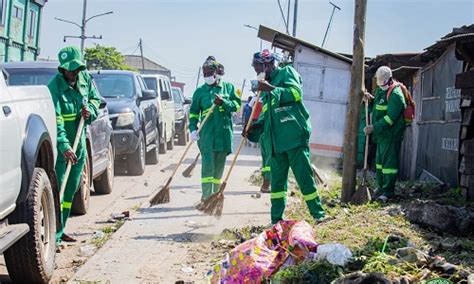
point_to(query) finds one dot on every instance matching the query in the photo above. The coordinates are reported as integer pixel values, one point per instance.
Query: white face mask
(261, 76)
(210, 80)
(218, 77)
(384, 87)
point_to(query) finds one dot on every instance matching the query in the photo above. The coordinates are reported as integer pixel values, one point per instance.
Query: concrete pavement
(164, 243)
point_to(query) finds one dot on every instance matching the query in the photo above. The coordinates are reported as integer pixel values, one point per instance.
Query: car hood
(120, 105)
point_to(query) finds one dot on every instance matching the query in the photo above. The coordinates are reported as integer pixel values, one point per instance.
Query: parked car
(29, 199)
(99, 166)
(134, 116)
(181, 111)
(162, 85)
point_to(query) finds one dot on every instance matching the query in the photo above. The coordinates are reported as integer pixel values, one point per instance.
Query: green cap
(70, 59)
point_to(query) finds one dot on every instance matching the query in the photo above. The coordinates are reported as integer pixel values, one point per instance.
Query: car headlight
(179, 114)
(125, 119)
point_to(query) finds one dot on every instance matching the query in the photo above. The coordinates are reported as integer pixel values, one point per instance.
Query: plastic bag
(336, 254)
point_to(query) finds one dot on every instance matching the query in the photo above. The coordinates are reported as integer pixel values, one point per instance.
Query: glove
(85, 113)
(367, 96)
(218, 101)
(368, 129)
(195, 135)
(70, 156)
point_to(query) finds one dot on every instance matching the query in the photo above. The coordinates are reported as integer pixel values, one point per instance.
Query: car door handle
(7, 110)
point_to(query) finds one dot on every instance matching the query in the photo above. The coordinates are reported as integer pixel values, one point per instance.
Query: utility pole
(295, 17)
(83, 25)
(140, 44)
(334, 7)
(199, 77)
(353, 111)
(288, 17)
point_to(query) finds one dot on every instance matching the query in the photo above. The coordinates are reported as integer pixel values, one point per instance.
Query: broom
(362, 194)
(80, 128)
(163, 196)
(215, 203)
(188, 172)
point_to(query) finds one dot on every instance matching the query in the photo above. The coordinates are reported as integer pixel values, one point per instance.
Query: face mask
(261, 76)
(218, 77)
(210, 80)
(384, 87)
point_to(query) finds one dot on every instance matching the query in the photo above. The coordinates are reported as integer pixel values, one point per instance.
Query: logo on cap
(63, 55)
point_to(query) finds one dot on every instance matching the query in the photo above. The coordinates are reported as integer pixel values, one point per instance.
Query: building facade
(20, 22)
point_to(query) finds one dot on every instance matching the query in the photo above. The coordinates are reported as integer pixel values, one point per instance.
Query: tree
(103, 57)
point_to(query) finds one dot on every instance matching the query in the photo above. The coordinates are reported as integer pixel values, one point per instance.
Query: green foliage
(308, 272)
(105, 58)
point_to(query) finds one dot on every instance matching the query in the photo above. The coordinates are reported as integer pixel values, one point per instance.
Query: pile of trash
(287, 243)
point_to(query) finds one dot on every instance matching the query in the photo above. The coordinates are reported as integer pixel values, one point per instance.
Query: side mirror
(148, 95)
(165, 95)
(187, 101)
(5, 74)
(102, 105)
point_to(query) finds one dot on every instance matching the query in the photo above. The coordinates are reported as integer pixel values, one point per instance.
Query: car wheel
(170, 144)
(105, 183)
(182, 135)
(162, 149)
(80, 204)
(136, 164)
(31, 259)
(152, 156)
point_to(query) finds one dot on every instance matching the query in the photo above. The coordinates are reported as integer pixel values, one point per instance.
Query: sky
(180, 34)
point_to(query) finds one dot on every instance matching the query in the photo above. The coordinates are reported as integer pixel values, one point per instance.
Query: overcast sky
(180, 34)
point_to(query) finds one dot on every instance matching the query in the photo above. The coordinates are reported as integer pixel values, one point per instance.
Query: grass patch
(108, 231)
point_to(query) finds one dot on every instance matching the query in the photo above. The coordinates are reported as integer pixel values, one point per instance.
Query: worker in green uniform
(285, 122)
(215, 138)
(387, 128)
(70, 89)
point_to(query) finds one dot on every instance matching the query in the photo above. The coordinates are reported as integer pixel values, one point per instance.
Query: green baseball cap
(70, 59)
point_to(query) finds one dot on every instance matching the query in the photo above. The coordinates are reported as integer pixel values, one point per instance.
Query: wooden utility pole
(353, 111)
(141, 54)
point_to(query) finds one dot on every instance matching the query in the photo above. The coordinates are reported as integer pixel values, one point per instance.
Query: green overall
(68, 103)
(216, 136)
(389, 126)
(266, 157)
(287, 130)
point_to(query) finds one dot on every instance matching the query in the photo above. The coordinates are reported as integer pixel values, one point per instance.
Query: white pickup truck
(29, 198)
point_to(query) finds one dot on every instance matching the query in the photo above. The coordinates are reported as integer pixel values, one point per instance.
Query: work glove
(218, 101)
(195, 135)
(85, 113)
(367, 97)
(369, 129)
(70, 156)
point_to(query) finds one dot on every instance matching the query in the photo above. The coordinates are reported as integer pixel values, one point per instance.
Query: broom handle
(69, 164)
(247, 127)
(189, 145)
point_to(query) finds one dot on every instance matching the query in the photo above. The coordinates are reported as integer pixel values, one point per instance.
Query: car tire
(182, 136)
(152, 156)
(162, 149)
(80, 203)
(136, 164)
(170, 144)
(31, 259)
(105, 183)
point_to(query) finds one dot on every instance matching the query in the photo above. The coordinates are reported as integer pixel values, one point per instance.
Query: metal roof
(135, 61)
(288, 43)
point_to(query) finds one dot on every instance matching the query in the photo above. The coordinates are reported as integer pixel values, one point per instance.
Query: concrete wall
(326, 83)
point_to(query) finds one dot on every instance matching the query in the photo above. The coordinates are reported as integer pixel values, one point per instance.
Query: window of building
(3, 4)
(32, 24)
(17, 12)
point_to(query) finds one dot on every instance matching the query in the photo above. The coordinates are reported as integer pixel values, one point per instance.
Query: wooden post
(353, 111)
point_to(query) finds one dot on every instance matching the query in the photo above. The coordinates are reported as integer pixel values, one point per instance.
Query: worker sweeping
(387, 130)
(70, 88)
(215, 138)
(284, 122)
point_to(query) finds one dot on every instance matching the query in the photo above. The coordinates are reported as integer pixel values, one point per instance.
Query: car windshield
(114, 85)
(30, 76)
(176, 96)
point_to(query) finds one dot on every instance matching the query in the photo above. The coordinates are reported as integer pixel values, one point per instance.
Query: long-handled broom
(163, 196)
(188, 172)
(215, 203)
(362, 194)
(80, 128)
